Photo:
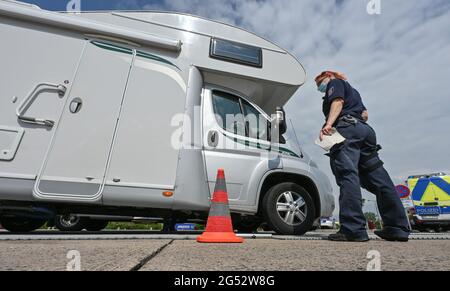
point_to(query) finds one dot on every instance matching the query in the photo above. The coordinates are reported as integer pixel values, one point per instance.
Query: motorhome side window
(257, 125)
(228, 112)
(239, 117)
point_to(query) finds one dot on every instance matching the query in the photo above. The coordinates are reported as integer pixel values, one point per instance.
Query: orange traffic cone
(219, 228)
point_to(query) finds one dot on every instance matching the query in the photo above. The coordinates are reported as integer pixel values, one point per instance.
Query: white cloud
(399, 61)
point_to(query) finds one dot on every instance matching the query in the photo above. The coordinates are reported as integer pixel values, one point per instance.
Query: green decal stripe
(128, 51)
(288, 152)
(262, 147)
(111, 47)
(250, 144)
(155, 58)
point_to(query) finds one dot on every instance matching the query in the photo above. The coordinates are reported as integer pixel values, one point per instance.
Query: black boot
(391, 236)
(339, 236)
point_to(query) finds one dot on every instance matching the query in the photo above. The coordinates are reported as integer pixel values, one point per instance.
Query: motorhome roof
(277, 78)
(203, 27)
(34, 14)
(195, 24)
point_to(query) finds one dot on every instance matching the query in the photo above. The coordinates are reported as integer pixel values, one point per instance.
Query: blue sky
(399, 60)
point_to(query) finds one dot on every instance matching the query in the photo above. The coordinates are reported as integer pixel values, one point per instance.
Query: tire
(69, 222)
(273, 217)
(169, 225)
(21, 224)
(96, 225)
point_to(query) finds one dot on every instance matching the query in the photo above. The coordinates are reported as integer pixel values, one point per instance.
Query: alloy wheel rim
(69, 220)
(292, 208)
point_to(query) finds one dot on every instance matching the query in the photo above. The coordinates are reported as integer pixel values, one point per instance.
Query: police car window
(257, 124)
(228, 112)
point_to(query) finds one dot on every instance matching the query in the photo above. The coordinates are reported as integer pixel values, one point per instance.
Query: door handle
(213, 138)
(25, 104)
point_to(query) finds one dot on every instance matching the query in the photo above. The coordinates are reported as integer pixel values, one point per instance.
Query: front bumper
(443, 219)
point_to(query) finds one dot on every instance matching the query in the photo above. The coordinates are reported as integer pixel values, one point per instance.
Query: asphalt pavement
(147, 251)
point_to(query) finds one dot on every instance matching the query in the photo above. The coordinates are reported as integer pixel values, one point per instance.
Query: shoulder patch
(331, 91)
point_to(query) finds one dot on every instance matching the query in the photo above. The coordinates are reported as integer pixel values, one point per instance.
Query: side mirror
(278, 126)
(280, 120)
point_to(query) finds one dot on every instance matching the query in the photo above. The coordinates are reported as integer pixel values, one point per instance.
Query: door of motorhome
(78, 156)
(238, 133)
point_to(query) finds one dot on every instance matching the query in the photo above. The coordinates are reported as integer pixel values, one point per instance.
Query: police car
(430, 195)
(327, 223)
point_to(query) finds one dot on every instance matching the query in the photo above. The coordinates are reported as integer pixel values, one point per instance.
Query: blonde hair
(328, 74)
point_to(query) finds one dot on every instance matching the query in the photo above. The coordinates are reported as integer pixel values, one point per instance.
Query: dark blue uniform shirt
(353, 104)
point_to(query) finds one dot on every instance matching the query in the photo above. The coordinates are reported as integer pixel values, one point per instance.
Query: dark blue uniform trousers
(347, 160)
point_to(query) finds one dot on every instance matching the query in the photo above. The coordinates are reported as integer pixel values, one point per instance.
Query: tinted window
(236, 52)
(228, 112)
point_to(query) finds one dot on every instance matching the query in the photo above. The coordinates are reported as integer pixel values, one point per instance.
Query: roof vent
(236, 52)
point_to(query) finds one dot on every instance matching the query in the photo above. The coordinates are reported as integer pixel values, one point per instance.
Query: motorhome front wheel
(289, 209)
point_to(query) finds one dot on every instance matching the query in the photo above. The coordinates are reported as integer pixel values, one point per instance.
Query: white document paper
(330, 140)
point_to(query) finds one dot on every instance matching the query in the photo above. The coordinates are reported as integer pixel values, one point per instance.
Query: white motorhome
(121, 113)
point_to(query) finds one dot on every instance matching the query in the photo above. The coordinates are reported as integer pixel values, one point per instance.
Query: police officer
(355, 163)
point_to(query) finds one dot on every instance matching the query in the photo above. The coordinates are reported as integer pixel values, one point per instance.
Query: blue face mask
(323, 87)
